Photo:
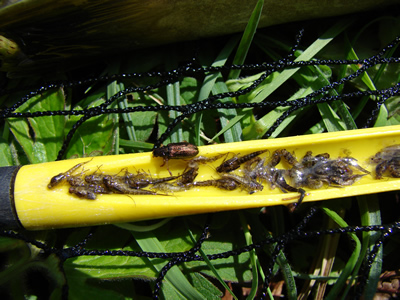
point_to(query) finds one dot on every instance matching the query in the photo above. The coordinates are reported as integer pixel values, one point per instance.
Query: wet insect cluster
(388, 161)
(88, 186)
(247, 172)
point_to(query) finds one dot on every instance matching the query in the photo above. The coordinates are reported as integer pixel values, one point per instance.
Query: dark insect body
(62, 176)
(141, 180)
(222, 183)
(94, 178)
(176, 151)
(76, 181)
(118, 184)
(189, 176)
(88, 191)
(235, 162)
(278, 154)
(256, 169)
(314, 171)
(83, 192)
(193, 163)
(248, 184)
(388, 159)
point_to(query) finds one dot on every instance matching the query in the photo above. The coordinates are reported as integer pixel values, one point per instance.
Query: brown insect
(188, 176)
(388, 159)
(248, 184)
(88, 191)
(76, 181)
(83, 192)
(235, 162)
(278, 154)
(175, 151)
(119, 185)
(194, 163)
(94, 178)
(169, 188)
(62, 176)
(257, 169)
(314, 171)
(222, 183)
(141, 180)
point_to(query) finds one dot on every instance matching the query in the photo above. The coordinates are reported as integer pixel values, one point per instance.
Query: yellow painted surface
(39, 207)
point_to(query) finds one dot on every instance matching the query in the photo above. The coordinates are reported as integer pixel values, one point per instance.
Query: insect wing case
(39, 207)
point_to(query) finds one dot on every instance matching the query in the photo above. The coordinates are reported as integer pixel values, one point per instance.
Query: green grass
(38, 140)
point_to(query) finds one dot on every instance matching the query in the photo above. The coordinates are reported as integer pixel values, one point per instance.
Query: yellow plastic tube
(38, 207)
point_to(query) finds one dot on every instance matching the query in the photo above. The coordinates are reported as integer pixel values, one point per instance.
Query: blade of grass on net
(149, 243)
(211, 266)
(382, 118)
(112, 89)
(173, 99)
(284, 75)
(233, 133)
(348, 269)
(211, 79)
(333, 122)
(370, 215)
(253, 256)
(247, 38)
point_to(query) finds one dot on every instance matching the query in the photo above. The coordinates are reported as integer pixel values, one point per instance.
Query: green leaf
(210, 85)
(370, 215)
(247, 38)
(351, 263)
(136, 145)
(40, 137)
(231, 133)
(182, 287)
(253, 256)
(110, 267)
(204, 286)
(382, 118)
(261, 126)
(7, 244)
(81, 289)
(144, 125)
(96, 134)
(174, 99)
(283, 76)
(333, 122)
(186, 130)
(234, 269)
(211, 267)
(5, 154)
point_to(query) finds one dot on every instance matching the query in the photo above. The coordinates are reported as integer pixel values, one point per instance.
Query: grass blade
(370, 215)
(247, 39)
(210, 265)
(283, 76)
(348, 269)
(149, 243)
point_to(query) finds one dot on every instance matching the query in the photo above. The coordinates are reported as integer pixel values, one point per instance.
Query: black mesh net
(278, 254)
